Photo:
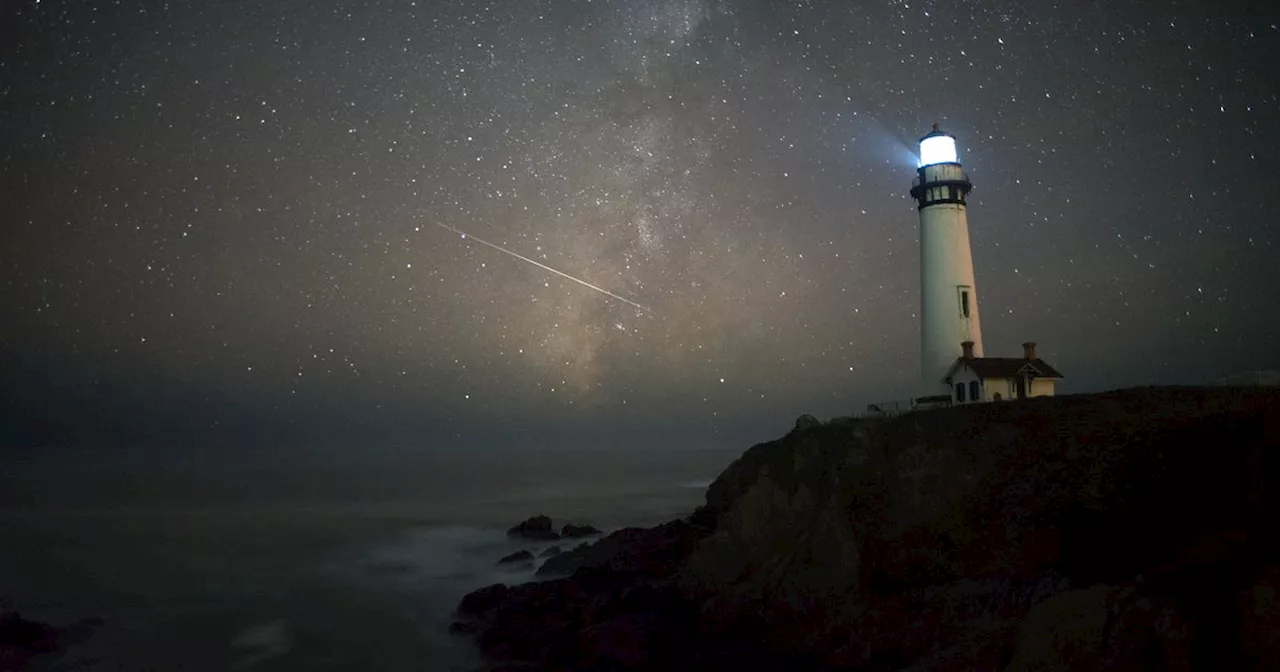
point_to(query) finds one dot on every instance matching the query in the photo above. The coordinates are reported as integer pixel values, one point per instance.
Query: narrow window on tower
(964, 301)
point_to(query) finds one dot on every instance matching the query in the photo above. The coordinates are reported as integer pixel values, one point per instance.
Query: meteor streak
(545, 267)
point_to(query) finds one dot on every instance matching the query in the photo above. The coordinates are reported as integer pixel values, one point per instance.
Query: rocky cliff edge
(1133, 530)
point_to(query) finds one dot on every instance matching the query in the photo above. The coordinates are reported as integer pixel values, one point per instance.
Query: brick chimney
(967, 347)
(1029, 350)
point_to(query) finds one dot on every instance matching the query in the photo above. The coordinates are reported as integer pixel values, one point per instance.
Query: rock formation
(1132, 530)
(806, 421)
(22, 641)
(537, 528)
(572, 531)
(519, 557)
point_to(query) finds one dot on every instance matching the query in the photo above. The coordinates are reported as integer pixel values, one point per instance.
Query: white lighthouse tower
(948, 296)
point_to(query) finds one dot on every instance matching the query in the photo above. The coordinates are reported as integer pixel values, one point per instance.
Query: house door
(1022, 387)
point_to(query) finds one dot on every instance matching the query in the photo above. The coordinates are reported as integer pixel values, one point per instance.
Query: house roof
(1005, 367)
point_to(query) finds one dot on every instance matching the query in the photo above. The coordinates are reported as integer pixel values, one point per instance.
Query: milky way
(233, 212)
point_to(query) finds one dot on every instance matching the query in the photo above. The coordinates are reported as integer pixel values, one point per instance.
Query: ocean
(277, 561)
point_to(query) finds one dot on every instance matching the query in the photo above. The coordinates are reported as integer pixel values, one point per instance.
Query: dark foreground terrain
(1133, 530)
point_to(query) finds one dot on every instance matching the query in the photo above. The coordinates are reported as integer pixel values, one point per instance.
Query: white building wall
(966, 376)
(946, 277)
(1042, 388)
(1007, 388)
(1001, 386)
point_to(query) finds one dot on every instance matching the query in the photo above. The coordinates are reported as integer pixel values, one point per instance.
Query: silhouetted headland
(1131, 530)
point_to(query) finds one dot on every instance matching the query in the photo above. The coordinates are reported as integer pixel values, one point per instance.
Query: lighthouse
(948, 295)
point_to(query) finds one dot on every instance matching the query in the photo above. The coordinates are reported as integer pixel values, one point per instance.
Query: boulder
(806, 422)
(565, 562)
(537, 528)
(521, 557)
(480, 602)
(572, 531)
(22, 640)
(461, 628)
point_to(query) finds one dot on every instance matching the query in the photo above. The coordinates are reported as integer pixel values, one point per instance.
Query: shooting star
(545, 267)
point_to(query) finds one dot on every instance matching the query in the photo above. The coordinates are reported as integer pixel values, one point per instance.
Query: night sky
(224, 221)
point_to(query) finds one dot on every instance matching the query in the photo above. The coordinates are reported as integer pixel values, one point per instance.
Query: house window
(974, 393)
(960, 393)
(964, 301)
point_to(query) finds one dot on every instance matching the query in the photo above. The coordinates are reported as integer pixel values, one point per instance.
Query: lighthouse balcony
(938, 192)
(958, 179)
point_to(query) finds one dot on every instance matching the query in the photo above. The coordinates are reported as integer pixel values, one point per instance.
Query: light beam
(545, 267)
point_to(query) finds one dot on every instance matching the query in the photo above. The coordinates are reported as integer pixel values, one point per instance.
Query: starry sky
(240, 221)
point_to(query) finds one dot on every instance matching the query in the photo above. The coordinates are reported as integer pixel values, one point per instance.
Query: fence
(893, 409)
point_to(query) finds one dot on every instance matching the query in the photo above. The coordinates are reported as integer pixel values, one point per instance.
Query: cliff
(1133, 530)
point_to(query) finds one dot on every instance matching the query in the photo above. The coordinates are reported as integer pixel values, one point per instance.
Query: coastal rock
(572, 531)
(537, 528)
(16, 631)
(524, 557)
(805, 422)
(479, 603)
(1068, 629)
(565, 562)
(1131, 530)
(633, 551)
(615, 612)
(22, 640)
